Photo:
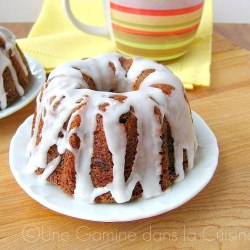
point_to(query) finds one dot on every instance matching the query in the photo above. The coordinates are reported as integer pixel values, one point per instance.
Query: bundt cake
(112, 129)
(14, 69)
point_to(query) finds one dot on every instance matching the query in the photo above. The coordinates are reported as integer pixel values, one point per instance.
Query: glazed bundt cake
(14, 69)
(112, 129)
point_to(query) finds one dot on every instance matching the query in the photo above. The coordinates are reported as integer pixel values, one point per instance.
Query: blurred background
(225, 11)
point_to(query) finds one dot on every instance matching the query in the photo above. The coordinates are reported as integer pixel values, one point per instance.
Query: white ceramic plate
(37, 79)
(52, 197)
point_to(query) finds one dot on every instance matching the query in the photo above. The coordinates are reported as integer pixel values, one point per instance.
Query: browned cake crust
(9, 86)
(8, 81)
(2, 43)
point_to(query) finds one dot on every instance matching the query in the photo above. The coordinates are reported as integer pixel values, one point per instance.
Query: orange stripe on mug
(152, 12)
(153, 33)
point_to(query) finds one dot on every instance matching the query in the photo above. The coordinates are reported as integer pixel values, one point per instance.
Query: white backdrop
(225, 11)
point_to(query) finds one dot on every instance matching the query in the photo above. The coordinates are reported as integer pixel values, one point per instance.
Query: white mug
(156, 29)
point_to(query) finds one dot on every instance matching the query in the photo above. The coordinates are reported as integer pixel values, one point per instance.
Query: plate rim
(112, 217)
(37, 72)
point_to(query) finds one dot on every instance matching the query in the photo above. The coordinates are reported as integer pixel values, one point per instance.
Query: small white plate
(37, 79)
(52, 197)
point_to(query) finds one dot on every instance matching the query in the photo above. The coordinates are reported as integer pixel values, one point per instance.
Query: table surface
(217, 218)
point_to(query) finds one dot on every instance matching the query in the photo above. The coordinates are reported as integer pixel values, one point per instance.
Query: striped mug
(160, 30)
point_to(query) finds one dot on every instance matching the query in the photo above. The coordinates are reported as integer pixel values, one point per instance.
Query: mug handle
(94, 30)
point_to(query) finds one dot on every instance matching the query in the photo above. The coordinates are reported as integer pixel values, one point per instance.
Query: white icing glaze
(66, 84)
(5, 62)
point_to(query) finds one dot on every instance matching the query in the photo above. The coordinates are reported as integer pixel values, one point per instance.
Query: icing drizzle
(66, 85)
